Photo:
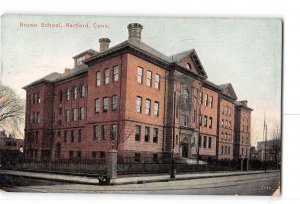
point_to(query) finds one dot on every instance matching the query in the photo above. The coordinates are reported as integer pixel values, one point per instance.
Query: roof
(90, 51)
(241, 104)
(224, 86)
(179, 56)
(56, 77)
(138, 44)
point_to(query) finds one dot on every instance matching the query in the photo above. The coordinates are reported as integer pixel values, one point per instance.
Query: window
(242, 151)
(148, 106)
(204, 141)
(229, 124)
(105, 104)
(209, 142)
(137, 133)
(60, 96)
(79, 60)
(223, 110)
(226, 123)
(156, 109)
(222, 123)
(228, 150)
(78, 154)
(107, 76)
(74, 114)
(176, 140)
(75, 93)
(58, 133)
(116, 73)
(98, 78)
(67, 115)
(185, 96)
(97, 105)
(38, 98)
(229, 137)
(188, 66)
(205, 121)
(222, 136)
(79, 135)
(94, 155)
(229, 112)
(83, 91)
(200, 97)
(140, 75)
(225, 149)
(72, 136)
(242, 127)
(82, 113)
(200, 120)
(147, 134)
(149, 78)
(222, 151)
(155, 157)
(114, 132)
(195, 116)
(68, 94)
(138, 104)
(103, 132)
(210, 122)
(226, 137)
(60, 110)
(70, 154)
(155, 135)
(211, 102)
(114, 103)
(137, 157)
(157, 81)
(185, 121)
(34, 98)
(226, 110)
(38, 119)
(206, 100)
(102, 155)
(65, 135)
(95, 132)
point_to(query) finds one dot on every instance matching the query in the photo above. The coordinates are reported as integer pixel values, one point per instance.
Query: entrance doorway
(185, 150)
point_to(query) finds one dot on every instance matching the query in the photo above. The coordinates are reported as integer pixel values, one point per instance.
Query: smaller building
(10, 147)
(272, 148)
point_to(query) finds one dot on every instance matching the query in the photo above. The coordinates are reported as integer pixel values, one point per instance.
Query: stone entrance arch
(185, 148)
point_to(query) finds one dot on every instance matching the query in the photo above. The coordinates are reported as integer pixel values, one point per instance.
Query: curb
(185, 178)
(95, 180)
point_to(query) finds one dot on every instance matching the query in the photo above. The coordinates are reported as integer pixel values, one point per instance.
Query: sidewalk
(127, 180)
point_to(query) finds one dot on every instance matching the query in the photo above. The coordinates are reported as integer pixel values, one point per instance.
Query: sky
(245, 52)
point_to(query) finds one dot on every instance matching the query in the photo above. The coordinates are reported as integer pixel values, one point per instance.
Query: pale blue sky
(244, 52)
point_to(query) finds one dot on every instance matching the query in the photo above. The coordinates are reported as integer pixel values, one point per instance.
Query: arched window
(188, 66)
(185, 96)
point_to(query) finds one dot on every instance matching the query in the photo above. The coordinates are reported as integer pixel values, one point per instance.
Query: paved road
(258, 184)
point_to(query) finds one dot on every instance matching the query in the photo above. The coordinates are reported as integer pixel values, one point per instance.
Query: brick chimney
(135, 31)
(104, 44)
(67, 70)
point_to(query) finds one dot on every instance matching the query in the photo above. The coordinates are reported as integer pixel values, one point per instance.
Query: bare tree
(11, 110)
(275, 146)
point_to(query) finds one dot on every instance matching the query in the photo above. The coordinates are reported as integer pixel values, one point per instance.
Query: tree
(12, 110)
(275, 146)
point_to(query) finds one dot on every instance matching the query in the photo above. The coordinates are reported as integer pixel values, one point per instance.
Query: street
(256, 184)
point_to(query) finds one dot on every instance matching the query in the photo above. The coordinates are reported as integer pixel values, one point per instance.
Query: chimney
(67, 70)
(135, 31)
(104, 44)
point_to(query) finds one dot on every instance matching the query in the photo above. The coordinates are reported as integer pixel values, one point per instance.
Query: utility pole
(172, 173)
(265, 137)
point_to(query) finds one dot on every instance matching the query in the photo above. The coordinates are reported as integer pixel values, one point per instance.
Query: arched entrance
(185, 148)
(57, 151)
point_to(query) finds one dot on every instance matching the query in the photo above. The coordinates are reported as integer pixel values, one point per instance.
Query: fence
(131, 165)
(86, 167)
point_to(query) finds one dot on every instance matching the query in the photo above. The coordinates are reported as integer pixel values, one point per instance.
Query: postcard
(143, 105)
